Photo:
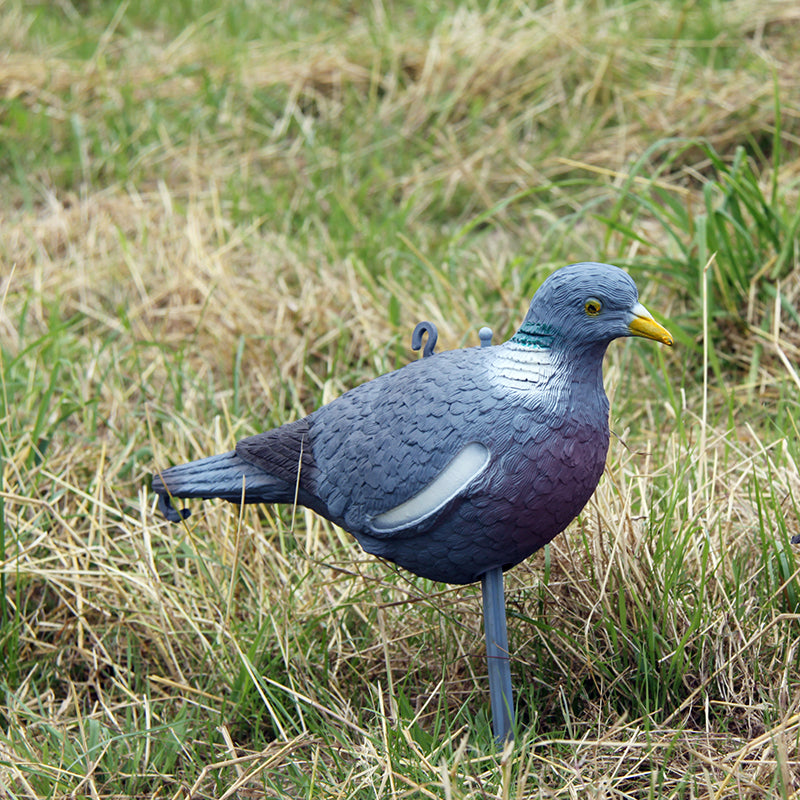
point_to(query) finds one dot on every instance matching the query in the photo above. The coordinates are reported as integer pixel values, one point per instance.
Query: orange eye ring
(592, 307)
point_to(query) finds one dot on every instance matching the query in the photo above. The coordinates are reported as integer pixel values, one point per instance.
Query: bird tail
(226, 476)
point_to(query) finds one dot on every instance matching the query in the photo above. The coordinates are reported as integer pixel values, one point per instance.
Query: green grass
(218, 216)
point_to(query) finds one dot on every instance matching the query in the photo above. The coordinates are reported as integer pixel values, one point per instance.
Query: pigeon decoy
(459, 465)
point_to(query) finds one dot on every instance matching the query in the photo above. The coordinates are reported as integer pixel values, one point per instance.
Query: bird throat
(538, 335)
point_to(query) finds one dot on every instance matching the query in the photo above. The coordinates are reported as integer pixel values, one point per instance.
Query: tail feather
(226, 476)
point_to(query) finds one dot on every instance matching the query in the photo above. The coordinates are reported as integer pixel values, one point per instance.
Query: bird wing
(387, 458)
(283, 452)
(392, 452)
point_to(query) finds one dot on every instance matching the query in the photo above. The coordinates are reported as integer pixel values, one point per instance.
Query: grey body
(522, 426)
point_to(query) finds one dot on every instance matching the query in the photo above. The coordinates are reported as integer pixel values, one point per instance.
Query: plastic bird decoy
(461, 464)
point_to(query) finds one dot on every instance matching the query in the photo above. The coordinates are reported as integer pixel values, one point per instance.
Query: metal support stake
(497, 656)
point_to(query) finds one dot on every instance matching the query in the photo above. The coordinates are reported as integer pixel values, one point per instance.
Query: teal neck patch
(535, 334)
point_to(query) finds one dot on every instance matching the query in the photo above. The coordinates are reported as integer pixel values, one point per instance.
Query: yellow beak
(643, 324)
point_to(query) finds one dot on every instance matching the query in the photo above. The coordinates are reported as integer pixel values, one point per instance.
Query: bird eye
(592, 307)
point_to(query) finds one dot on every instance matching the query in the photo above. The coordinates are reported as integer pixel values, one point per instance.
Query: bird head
(584, 307)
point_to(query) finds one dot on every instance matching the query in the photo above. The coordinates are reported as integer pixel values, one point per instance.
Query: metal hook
(169, 511)
(416, 338)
